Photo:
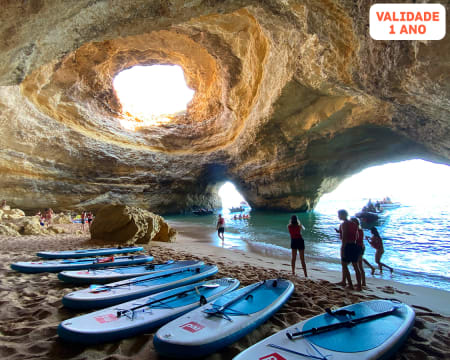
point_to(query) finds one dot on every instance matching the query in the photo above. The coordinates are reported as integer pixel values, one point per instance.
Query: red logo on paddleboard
(106, 318)
(192, 326)
(83, 272)
(273, 356)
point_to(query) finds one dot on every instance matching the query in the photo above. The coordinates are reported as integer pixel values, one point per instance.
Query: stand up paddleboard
(104, 276)
(144, 314)
(78, 264)
(73, 254)
(368, 330)
(99, 296)
(216, 325)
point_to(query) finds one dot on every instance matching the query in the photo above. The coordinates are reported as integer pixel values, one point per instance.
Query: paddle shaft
(94, 259)
(349, 323)
(130, 266)
(159, 300)
(232, 301)
(143, 280)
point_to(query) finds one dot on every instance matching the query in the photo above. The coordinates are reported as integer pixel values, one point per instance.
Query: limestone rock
(290, 98)
(120, 224)
(62, 219)
(30, 226)
(11, 214)
(55, 230)
(8, 230)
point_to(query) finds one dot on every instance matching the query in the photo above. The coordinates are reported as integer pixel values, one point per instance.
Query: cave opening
(151, 95)
(232, 199)
(414, 182)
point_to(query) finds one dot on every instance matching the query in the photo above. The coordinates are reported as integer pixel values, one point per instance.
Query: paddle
(100, 288)
(147, 267)
(71, 261)
(219, 310)
(123, 312)
(348, 324)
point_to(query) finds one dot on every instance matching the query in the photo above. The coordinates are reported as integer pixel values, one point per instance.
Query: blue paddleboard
(369, 330)
(213, 326)
(107, 275)
(99, 296)
(143, 314)
(78, 264)
(72, 254)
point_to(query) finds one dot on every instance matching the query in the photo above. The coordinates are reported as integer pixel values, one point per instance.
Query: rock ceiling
(291, 97)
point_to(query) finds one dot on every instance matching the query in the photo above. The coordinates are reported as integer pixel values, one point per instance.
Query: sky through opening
(151, 95)
(409, 182)
(230, 196)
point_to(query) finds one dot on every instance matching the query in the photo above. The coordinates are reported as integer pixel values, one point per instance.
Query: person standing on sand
(83, 220)
(376, 242)
(89, 217)
(348, 232)
(362, 249)
(220, 227)
(297, 243)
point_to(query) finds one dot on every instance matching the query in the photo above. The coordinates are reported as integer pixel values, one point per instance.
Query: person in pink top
(297, 243)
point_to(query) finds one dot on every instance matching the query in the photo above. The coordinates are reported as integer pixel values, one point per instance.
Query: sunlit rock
(120, 224)
(290, 98)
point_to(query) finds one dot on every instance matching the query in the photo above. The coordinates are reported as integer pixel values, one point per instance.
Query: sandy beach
(31, 307)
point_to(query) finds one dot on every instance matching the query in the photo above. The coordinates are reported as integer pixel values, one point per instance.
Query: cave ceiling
(290, 98)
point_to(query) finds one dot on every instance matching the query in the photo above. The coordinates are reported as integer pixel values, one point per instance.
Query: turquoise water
(416, 237)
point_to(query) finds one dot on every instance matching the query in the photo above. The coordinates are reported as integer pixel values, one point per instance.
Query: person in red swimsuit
(348, 232)
(220, 227)
(362, 249)
(376, 242)
(297, 243)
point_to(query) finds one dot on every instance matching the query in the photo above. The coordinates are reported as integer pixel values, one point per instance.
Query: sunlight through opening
(412, 182)
(151, 95)
(231, 198)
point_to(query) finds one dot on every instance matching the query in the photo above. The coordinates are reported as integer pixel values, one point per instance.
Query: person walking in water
(348, 232)
(220, 227)
(362, 249)
(297, 243)
(376, 242)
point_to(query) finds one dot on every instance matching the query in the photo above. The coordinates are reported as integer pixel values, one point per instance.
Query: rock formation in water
(290, 97)
(120, 224)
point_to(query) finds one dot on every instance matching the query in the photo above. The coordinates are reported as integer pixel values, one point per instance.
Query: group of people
(86, 217)
(45, 217)
(352, 247)
(241, 217)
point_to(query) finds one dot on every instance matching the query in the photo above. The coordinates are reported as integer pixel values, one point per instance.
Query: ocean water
(416, 237)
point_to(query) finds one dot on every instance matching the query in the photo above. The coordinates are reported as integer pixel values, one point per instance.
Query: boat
(107, 275)
(72, 254)
(236, 209)
(78, 264)
(99, 296)
(367, 216)
(393, 205)
(142, 315)
(213, 326)
(369, 330)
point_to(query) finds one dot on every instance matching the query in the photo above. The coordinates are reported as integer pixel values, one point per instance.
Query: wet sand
(31, 307)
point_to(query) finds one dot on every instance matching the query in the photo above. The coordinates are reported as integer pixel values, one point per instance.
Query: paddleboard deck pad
(99, 296)
(222, 322)
(104, 276)
(143, 314)
(375, 330)
(73, 254)
(78, 264)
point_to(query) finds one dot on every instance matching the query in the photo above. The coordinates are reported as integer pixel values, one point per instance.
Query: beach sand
(31, 308)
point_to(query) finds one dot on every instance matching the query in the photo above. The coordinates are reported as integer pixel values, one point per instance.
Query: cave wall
(291, 97)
